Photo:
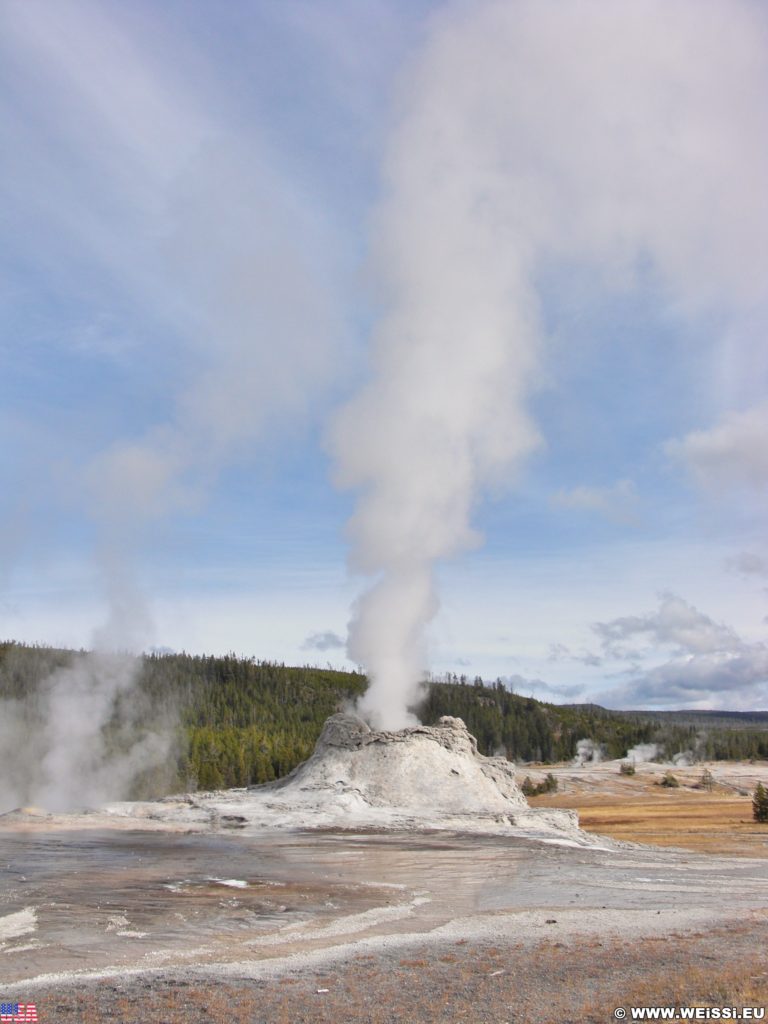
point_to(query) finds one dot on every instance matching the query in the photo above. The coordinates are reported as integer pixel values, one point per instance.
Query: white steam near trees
(588, 752)
(80, 736)
(529, 138)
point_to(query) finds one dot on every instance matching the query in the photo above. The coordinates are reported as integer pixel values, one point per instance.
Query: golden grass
(550, 983)
(733, 983)
(731, 986)
(691, 819)
(745, 984)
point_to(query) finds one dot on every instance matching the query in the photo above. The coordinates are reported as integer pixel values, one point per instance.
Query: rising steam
(588, 752)
(530, 138)
(645, 752)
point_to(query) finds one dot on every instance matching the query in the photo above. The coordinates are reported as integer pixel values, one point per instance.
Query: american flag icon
(18, 1013)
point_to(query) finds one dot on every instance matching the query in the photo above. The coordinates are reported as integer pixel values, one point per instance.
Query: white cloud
(526, 687)
(710, 664)
(732, 453)
(327, 641)
(617, 502)
(747, 563)
(676, 624)
(142, 172)
(644, 752)
(142, 190)
(736, 679)
(561, 652)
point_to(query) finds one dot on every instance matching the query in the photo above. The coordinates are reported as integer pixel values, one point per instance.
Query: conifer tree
(760, 803)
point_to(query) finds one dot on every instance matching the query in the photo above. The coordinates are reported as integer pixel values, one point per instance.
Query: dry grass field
(551, 983)
(638, 809)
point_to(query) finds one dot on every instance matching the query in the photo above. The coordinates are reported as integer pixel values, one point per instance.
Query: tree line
(240, 722)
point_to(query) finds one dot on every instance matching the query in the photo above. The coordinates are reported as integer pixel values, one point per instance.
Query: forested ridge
(238, 722)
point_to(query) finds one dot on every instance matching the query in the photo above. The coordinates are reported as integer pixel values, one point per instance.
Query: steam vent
(433, 769)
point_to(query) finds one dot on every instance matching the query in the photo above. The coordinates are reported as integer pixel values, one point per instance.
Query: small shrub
(530, 788)
(669, 781)
(627, 768)
(549, 784)
(760, 803)
(707, 780)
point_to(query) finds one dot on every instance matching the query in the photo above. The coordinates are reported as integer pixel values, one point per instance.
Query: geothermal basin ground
(181, 910)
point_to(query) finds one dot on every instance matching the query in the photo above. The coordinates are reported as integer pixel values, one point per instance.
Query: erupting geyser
(533, 145)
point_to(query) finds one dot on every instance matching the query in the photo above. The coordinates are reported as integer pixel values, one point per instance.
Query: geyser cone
(429, 769)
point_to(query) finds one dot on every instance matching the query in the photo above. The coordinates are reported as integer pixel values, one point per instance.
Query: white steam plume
(684, 759)
(531, 136)
(645, 752)
(82, 733)
(588, 752)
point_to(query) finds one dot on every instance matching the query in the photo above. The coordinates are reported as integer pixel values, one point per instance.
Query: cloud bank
(708, 664)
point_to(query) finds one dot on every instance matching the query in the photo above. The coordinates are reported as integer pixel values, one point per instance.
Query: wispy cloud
(732, 453)
(747, 563)
(617, 502)
(142, 198)
(327, 641)
(561, 652)
(535, 687)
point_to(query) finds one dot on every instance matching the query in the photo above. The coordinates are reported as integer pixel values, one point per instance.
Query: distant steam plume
(645, 752)
(531, 137)
(588, 752)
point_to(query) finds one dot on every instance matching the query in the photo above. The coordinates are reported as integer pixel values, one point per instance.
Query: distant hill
(707, 719)
(527, 729)
(240, 721)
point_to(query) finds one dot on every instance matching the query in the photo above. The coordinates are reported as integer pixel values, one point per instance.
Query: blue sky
(214, 220)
